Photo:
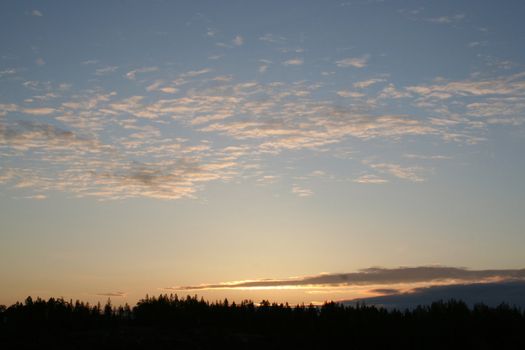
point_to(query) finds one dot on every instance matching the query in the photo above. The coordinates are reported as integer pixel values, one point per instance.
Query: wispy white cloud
(215, 57)
(513, 84)
(353, 94)
(447, 19)
(412, 173)
(37, 196)
(302, 191)
(293, 62)
(356, 62)
(318, 173)
(87, 62)
(195, 73)
(7, 108)
(169, 90)
(273, 39)
(38, 111)
(36, 13)
(370, 179)
(390, 91)
(110, 144)
(133, 73)
(264, 65)
(238, 40)
(476, 44)
(155, 85)
(107, 70)
(8, 71)
(268, 179)
(92, 168)
(160, 85)
(500, 100)
(291, 49)
(427, 157)
(366, 83)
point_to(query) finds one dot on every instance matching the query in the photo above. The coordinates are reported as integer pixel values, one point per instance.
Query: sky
(295, 151)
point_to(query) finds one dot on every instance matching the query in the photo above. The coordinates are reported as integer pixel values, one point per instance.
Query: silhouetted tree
(168, 321)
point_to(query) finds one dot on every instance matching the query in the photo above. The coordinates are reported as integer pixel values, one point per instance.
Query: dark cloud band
(375, 275)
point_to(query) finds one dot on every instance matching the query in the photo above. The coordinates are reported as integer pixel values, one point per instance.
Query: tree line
(190, 322)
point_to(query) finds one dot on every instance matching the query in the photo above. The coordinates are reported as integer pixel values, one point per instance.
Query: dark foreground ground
(167, 322)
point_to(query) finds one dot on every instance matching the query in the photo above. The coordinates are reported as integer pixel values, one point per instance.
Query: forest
(170, 321)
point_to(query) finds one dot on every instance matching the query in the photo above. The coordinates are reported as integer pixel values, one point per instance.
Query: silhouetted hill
(491, 294)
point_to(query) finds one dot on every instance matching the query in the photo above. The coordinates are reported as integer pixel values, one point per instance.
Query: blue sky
(150, 145)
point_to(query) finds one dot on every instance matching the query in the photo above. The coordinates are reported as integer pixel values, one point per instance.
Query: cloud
(7, 108)
(318, 173)
(159, 85)
(107, 70)
(356, 62)
(294, 62)
(162, 180)
(291, 49)
(416, 15)
(24, 135)
(9, 71)
(133, 105)
(268, 179)
(40, 61)
(221, 44)
(406, 173)
(215, 57)
(155, 86)
(37, 196)
(133, 74)
(447, 19)
(370, 179)
(44, 97)
(113, 294)
(427, 157)
(238, 40)
(85, 166)
(6, 174)
(273, 39)
(301, 191)
(36, 13)
(294, 121)
(195, 73)
(501, 100)
(38, 111)
(366, 83)
(274, 117)
(390, 91)
(476, 44)
(264, 65)
(375, 276)
(385, 291)
(352, 94)
(169, 90)
(448, 90)
(87, 62)
(124, 145)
